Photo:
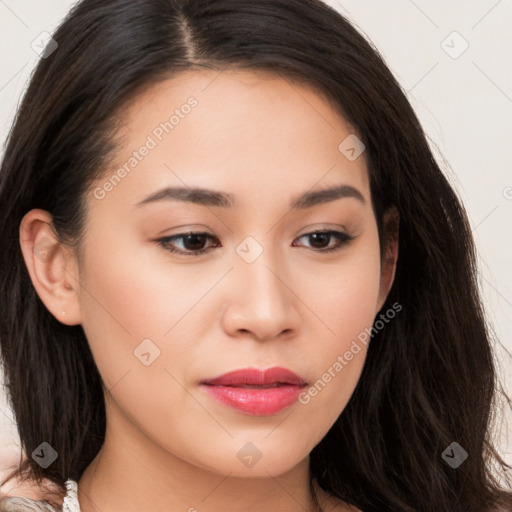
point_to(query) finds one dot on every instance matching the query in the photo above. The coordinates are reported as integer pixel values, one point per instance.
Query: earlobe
(51, 266)
(388, 269)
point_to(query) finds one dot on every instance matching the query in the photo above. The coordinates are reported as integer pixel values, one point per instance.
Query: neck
(103, 488)
(147, 477)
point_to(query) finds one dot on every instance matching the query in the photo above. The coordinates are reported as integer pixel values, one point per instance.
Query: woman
(233, 270)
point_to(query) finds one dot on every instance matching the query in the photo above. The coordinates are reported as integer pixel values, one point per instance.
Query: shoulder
(18, 504)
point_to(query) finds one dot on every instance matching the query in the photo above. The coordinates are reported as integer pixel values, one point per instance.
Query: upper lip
(256, 377)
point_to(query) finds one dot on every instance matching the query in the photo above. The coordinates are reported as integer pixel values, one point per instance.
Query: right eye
(193, 243)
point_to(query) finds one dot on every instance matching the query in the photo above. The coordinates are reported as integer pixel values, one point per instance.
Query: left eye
(319, 237)
(194, 242)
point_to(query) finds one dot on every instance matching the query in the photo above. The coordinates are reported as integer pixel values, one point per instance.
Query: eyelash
(343, 239)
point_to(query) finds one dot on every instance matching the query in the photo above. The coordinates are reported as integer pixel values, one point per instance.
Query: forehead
(234, 130)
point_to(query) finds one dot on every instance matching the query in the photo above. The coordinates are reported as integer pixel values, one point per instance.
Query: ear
(390, 258)
(51, 265)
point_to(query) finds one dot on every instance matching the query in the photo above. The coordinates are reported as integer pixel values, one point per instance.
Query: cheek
(134, 303)
(346, 307)
(120, 305)
(127, 289)
(344, 296)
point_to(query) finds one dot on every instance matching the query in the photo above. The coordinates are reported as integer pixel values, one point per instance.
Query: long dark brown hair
(429, 379)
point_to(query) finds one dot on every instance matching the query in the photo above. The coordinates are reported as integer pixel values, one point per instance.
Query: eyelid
(319, 226)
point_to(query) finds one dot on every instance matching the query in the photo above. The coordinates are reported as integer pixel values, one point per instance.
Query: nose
(260, 301)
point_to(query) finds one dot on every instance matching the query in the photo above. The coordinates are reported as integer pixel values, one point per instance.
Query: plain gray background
(454, 60)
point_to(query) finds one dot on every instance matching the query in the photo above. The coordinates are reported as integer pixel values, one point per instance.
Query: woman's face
(264, 294)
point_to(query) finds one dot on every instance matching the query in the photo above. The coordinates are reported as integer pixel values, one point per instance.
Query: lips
(251, 377)
(256, 392)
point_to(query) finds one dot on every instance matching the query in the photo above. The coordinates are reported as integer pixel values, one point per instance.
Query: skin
(169, 446)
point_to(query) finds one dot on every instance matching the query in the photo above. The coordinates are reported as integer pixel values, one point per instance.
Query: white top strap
(71, 499)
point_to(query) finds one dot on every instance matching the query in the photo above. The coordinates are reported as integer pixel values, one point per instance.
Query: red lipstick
(256, 392)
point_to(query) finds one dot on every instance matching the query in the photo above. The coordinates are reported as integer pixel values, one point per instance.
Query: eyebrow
(208, 197)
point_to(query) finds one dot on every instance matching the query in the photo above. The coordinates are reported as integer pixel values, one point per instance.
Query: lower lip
(256, 401)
